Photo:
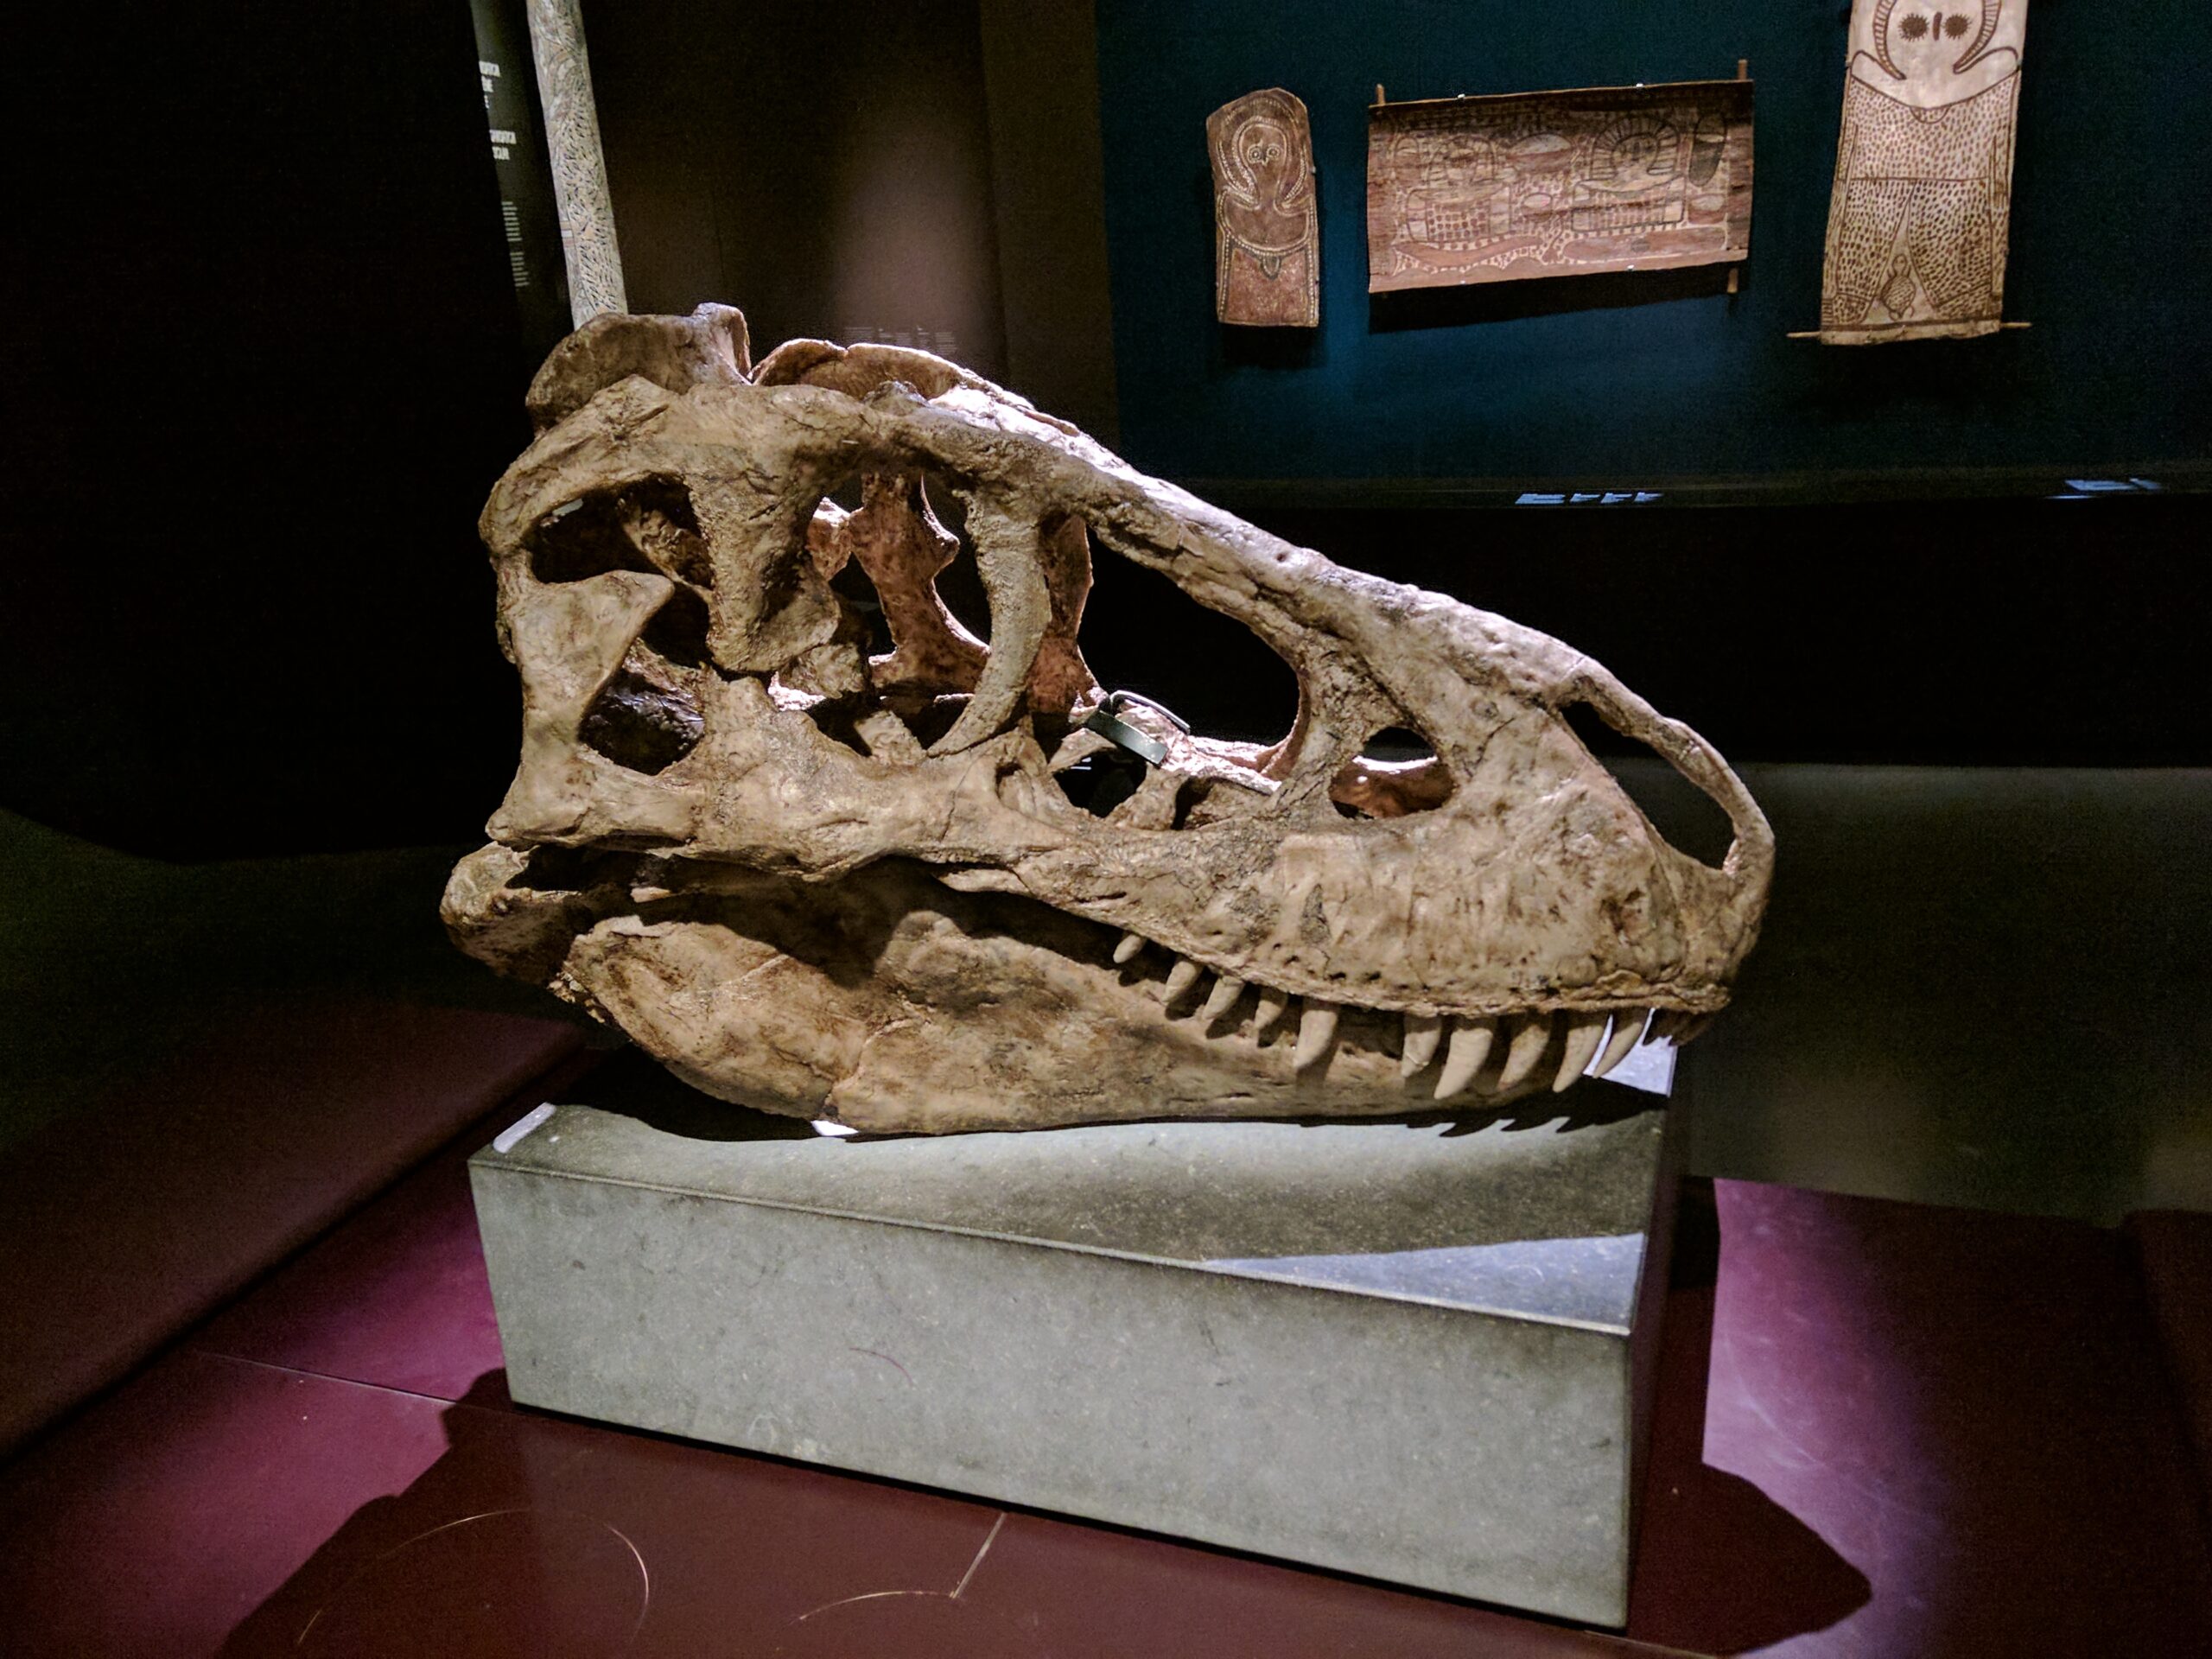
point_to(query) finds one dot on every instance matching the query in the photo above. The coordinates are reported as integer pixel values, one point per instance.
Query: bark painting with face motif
(872, 885)
(1922, 207)
(1267, 241)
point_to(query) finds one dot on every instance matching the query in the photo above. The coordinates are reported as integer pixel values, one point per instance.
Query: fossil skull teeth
(1532, 1035)
(1317, 1029)
(842, 882)
(1627, 1031)
(1470, 1047)
(1423, 1031)
(1583, 1032)
(1269, 1009)
(1180, 978)
(1595, 1041)
(1220, 1001)
(1678, 1027)
(1675, 1026)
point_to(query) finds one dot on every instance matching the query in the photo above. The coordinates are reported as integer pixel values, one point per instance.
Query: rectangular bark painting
(1464, 190)
(1267, 244)
(1924, 172)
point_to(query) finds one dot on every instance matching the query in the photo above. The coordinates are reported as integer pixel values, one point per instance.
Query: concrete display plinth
(1416, 1351)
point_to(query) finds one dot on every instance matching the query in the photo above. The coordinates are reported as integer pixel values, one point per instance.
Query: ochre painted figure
(1267, 240)
(1924, 171)
(875, 886)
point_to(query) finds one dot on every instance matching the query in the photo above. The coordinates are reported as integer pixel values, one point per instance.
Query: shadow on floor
(1721, 1568)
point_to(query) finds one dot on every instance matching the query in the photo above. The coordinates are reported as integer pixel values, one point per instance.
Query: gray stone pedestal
(1416, 1351)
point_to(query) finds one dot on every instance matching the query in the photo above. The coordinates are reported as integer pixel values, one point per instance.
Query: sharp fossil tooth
(1583, 1032)
(1530, 1039)
(1678, 1023)
(1628, 1030)
(1269, 1010)
(1470, 1044)
(1423, 1031)
(1222, 998)
(1125, 952)
(1317, 1028)
(1183, 974)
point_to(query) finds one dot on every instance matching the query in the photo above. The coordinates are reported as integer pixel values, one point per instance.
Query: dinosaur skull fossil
(862, 888)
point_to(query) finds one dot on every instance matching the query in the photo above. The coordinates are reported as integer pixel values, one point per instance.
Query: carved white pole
(556, 42)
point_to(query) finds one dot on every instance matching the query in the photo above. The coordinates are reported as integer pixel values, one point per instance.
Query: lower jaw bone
(890, 1003)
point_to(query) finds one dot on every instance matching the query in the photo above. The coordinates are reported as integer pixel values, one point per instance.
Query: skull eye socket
(647, 717)
(678, 631)
(648, 525)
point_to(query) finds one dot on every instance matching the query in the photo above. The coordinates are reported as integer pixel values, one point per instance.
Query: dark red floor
(1920, 1433)
(123, 1226)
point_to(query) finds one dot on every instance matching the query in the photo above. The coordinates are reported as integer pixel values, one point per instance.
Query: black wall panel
(262, 367)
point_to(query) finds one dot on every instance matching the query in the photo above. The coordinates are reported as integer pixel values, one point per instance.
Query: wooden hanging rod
(1381, 97)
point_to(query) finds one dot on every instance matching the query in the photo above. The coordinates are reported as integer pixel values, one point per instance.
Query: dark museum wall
(2007, 632)
(828, 182)
(931, 175)
(261, 366)
(1561, 379)
(264, 363)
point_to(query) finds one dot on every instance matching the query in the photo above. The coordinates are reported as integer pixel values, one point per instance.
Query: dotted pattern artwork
(1919, 218)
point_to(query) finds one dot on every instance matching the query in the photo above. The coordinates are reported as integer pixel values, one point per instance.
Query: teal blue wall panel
(1634, 377)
